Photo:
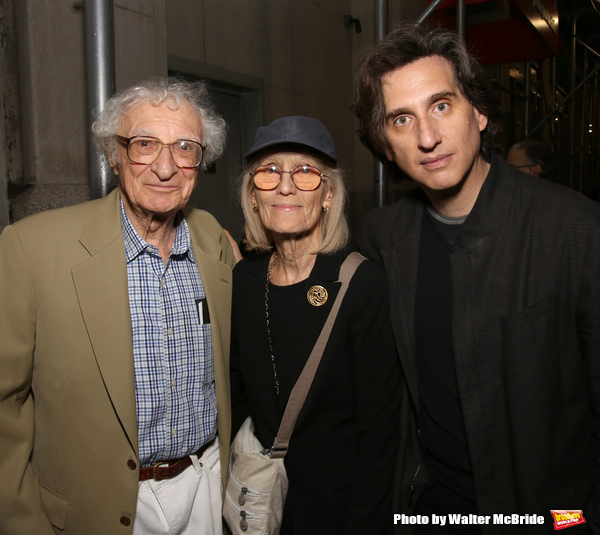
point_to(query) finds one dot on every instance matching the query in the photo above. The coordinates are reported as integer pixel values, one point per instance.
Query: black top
(342, 451)
(526, 338)
(450, 489)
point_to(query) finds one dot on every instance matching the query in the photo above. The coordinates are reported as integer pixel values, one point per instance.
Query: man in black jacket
(495, 290)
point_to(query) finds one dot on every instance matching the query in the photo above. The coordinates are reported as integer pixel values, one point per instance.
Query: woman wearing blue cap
(341, 453)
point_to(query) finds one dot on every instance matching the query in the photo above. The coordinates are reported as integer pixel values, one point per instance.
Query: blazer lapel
(401, 258)
(217, 283)
(101, 286)
(216, 280)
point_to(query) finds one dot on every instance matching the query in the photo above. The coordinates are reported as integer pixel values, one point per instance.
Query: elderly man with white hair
(114, 321)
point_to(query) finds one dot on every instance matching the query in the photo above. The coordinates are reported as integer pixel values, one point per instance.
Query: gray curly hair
(172, 90)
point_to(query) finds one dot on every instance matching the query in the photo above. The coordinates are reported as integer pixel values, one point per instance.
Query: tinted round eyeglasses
(304, 177)
(186, 153)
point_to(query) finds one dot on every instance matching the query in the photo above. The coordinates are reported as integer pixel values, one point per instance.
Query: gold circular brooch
(317, 296)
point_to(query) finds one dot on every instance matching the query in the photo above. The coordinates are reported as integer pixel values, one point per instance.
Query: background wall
(268, 57)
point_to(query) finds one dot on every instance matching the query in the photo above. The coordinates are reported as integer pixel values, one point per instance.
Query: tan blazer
(68, 430)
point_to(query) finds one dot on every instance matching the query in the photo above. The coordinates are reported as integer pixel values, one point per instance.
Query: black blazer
(526, 325)
(341, 453)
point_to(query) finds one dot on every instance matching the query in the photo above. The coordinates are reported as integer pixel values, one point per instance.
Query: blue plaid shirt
(172, 351)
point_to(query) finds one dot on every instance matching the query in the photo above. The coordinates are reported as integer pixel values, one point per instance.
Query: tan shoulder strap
(302, 386)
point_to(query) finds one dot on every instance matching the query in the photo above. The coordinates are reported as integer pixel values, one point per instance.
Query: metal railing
(573, 124)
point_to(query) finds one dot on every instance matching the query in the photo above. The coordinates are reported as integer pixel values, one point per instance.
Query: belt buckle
(155, 476)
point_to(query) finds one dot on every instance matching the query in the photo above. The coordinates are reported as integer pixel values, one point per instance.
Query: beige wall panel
(56, 136)
(11, 156)
(3, 165)
(365, 12)
(333, 6)
(279, 68)
(322, 57)
(140, 45)
(185, 29)
(363, 166)
(336, 117)
(405, 10)
(279, 102)
(362, 160)
(154, 9)
(339, 123)
(235, 35)
(362, 163)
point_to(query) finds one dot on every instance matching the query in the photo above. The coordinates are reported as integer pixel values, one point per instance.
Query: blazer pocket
(575, 494)
(55, 506)
(520, 318)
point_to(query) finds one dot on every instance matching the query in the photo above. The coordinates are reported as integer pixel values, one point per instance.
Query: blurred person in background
(532, 157)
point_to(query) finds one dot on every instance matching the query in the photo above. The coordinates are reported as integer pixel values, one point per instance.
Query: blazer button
(125, 521)
(131, 464)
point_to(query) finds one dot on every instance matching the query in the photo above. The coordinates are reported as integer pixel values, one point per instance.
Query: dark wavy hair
(406, 44)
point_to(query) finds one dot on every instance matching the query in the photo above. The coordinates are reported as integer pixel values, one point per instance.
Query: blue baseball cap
(295, 129)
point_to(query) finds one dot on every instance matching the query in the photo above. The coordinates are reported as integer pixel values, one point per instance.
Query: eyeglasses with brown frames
(186, 153)
(304, 177)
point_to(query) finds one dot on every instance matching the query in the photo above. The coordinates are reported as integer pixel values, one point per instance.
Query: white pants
(189, 503)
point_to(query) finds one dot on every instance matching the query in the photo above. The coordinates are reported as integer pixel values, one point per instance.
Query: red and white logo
(566, 518)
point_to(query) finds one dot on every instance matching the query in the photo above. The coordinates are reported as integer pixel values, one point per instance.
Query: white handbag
(255, 509)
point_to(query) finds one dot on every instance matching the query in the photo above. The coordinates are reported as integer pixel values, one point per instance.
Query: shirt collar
(136, 245)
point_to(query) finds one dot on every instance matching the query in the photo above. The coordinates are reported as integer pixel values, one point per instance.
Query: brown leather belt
(169, 469)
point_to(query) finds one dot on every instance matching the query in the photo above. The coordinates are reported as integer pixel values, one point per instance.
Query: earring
(254, 207)
(325, 209)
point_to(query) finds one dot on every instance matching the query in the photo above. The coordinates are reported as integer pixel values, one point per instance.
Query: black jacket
(526, 331)
(341, 453)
